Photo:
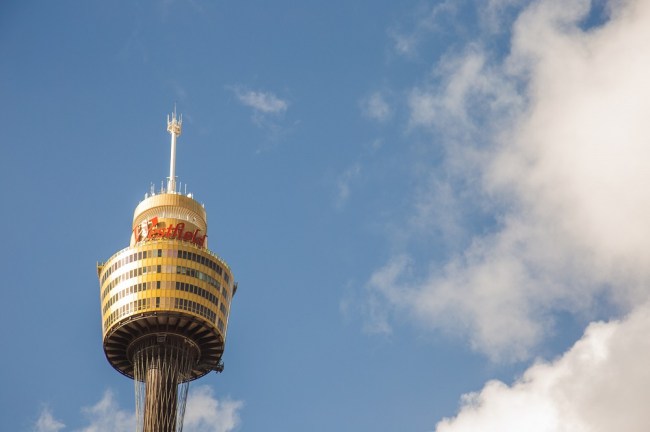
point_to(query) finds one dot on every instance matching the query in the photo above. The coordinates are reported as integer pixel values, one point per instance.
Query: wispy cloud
(445, 22)
(204, 413)
(268, 112)
(431, 19)
(375, 107)
(471, 88)
(263, 102)
(553, 139)
(344, 184)
(495, 14)
(47, 423)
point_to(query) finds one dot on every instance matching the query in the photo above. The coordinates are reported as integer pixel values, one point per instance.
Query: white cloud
(205, 413)
(267, 114)
(107, 416)
(264, 102)
(47, 423)
(470, 88)
(375, 107)
(599, 385)
(494, 14)
(405, 43)
(554, 138)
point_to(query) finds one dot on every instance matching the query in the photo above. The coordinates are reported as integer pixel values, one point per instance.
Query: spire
(174, 126)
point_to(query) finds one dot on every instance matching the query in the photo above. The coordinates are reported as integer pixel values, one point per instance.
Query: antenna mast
(174, 126)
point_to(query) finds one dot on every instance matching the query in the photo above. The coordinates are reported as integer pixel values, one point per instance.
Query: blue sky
(436, 211)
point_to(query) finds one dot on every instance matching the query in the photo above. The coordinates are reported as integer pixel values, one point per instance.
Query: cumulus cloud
(599, 385)
(47, 423)
(204, 413)
(106, 415)
(554, 138)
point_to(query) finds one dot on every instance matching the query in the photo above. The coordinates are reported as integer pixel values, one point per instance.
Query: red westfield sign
(149, 230)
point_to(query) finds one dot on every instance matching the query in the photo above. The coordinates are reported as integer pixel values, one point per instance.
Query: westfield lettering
(149, 230)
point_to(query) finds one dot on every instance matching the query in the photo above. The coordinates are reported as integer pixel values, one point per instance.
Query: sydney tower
(165, 301)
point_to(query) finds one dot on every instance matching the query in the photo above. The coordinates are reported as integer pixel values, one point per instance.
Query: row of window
(143, 286)
(181, 286)
(201, 276)
(193, 289)
(204, 261)
(131, 274)
(150, 303)
(164, 269)
(137, 256)
(198, 258)
(191, 306)
(130, 308)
